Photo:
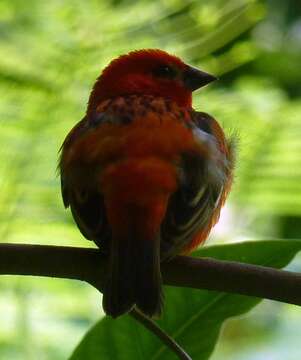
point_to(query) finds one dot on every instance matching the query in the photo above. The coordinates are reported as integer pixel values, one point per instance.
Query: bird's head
(149, 72)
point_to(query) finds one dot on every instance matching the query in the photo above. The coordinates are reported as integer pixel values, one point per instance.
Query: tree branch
(201, 273)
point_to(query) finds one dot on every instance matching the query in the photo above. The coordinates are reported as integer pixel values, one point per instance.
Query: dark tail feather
(118, 296)
(149, 295)
(134, 277)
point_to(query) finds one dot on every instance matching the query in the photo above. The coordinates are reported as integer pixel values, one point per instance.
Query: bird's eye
(164, 71)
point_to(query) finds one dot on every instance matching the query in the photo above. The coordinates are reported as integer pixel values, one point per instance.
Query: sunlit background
(51, 53)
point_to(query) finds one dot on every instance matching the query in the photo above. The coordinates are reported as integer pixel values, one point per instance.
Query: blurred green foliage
(51, 53)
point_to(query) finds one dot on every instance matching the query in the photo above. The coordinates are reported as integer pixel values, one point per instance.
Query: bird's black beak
(194, 79)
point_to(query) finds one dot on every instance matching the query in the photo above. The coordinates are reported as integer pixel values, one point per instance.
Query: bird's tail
(136, 194)
(134, 277)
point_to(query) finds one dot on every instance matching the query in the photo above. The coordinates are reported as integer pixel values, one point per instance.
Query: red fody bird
(144, 174)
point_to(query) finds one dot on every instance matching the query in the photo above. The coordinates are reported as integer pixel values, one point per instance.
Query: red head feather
(134, 74)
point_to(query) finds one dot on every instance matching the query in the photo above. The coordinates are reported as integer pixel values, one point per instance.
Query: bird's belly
(139, 180)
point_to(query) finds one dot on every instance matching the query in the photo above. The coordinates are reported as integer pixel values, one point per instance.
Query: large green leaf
(193, 317)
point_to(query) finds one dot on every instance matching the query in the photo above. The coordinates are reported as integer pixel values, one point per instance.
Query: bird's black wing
(87, 203)
(195, 204)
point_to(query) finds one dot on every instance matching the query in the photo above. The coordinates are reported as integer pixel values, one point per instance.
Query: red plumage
(144, 174)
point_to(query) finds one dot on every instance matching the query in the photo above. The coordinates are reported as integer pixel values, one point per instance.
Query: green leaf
(192, 317)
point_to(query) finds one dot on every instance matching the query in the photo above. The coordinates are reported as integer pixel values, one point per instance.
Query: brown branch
(234, 277)
(201, 273)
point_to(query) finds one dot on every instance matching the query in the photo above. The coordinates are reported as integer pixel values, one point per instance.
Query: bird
(145, 175)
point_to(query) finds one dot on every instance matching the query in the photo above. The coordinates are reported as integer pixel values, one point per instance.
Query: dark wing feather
(192, 208)
(87, 204)
(90, 217)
